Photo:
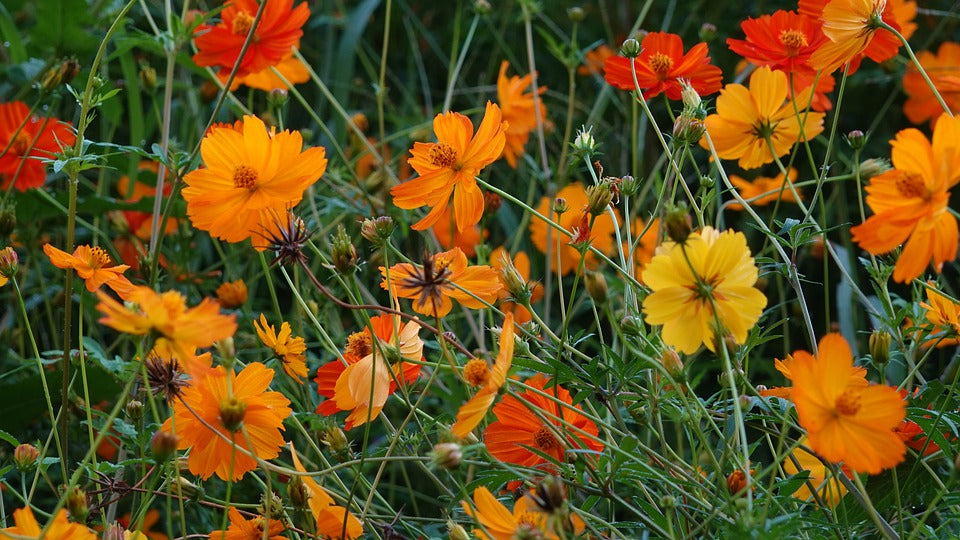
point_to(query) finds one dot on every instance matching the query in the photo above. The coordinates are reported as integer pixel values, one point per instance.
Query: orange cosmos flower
(858, 376)
(232, 294)
(910, 202)
(828, 487)
(290, 67)
(696, 286)
(21, 151)
(477, 373)
(443, 277)
(853, 27)
(785, 41)
(645, 246)
(661, 65)
(499, 261)
(745, 118)
(256, 528)
(279, 30)
(329, 517)
(764, 190)
(525, 521)
(348, 387)
(290, 350)
(943, 69)
(94, 266)
(601, 234)
(211, 403)
(943, 320)
(594, 59)
(252, 178)
(144, 525)
(26, 527)
(448, 168)
(846, 422)
(448, 236)
(180, 331)
(519, 111)
(139, 222)
(518, 425)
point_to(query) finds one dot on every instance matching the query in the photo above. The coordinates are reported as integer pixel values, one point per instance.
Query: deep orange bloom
(94, 266)
(26, 527)
(232, 294)
(858, 376)
(661, 65)
(594, 59)
(252, 178)
(289, 349)
(448, 167)
(909, 203)
(498, 261)
(290, 67)
(348, 387)
(137, 221)
(443, 277)
(745, 118)
(180, 330)
(525, 521)
(854, 32)
(328, 517)
(785, 41)
(38, 138)
(448, 236)
(227, 406)
(852, 423)
(600, 235)
(764, 190)
(519, 111)
(279, 30)
(478, 373)
(517, 426)
(242, 528)
(942, 326)
(943, 69)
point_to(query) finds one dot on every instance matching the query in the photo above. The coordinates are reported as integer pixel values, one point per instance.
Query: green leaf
(9, 438)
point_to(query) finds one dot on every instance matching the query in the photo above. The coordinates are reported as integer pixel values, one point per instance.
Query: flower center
(911, 185)
(661, 64)
(848, 404)
(242, 22)
(359, 344)
(476, 372)
(794, 40)
(232, 411)
(443, 155)
(21, 143)
(245, 177)
(99, 258)
(545, 440)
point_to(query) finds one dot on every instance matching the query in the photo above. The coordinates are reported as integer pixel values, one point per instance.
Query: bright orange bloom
(94, 266)
(26, 527)
(943, 69)
(594, 59)
(477, 373)
(180, 331)
(448, 236)
(38, 138)
(519, 111)
(518, 425)
(252, 178)
(828, 487)
(525, 521)
(745, 118)
(854, 31)
(279, 30)
(943, 318)
(909, 203)
(785, 41)
(242, 528)
(290, 350)
(244, 402)
(764, 190)
(448, 167)
(232, 294)
(328, 516)
(601, 234)
(443, 277)
(858, 376)
(498, 261)
(348, 387)
(139, 222)
(290, 67)
(846, 422)
(661, 65)
(143, 526)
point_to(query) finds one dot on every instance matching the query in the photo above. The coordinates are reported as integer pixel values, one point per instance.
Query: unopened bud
(163, 445)
(456, 531)
(148, 78)
(596, 286)
(271, 506)
(446, 455)
(707, 32)
(482, 7)
(678, 224)
(629, 186)
(584, 142)
(491, 203)
(377, 230)
(599, 198)
(559, 206)
(687, 130)
(691, 99)
(873, 167)
(632, 325)
(336, 440)
(630, 48)
(550, 495)
(856, 139)
(576, 14)
(227, 350)
(77, 505)
(737, 482)
(9, 262)
(344, 253)
(513, 282)
(880, 346)
(134, 409)
(277, 98)
(672, 363)
(25, 457)
(62, 73)
(668, 502)
(232, 412)
(297, 493)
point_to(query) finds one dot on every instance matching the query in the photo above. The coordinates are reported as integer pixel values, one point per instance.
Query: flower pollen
(544, 440)
(359, 344)
(476, 372)
(848, 404)
(20, 144)
(911, 185)
(443, 155)
(794, 40)
(242, 23)
(99, 257)
(661, 64)
(245, 177)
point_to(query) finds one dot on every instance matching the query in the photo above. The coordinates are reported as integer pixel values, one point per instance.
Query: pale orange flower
(232, 294)
(94, 266)
(289, 349)
(764, 190)
(448, 167)
(519, 111)
(594, 59)
(328, 517)
(909, 203)
(255, 528)
(943, 320)
(525, 521)
(853, 27)
(444, 277)
(600, 234)
(943, 69)
(477, 373)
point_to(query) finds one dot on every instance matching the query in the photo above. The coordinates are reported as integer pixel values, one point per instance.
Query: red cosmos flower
(661, 65)
(785, 41)
(279, 30)
(20, 150)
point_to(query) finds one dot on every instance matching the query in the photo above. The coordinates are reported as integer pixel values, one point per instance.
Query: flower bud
(668, 502)
(584, 142)
(277, 98)
(482, 7)
(232, 412)
(62, 73)
(550, 495)
(456, 531)
(77, 505)
(491, 203)
(678, 224)
(335, 439)
(559, 206)
(227, 350)
(576, 14)
(632, 325)
(134, 409)
(148, 78)
(271, 506)
(672, 363)
(581, 233)
(25, 457)
(9, 261)
(737, 482)
(687, 129)
(707, 32)
(232, 294)
(360, 120)
(691, 99)
(297, 493)
(629, 186)
(513, 282)
(446, 455)
(873, 167)
(880, 346)
(163, 445)
(344, 253)
(377, 230)
(599, 198)
(115, 532)
(596, 286)
(856, 139)
(630, 48)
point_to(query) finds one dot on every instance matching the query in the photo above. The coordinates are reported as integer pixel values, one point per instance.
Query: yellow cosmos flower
(708, 281)
(285, 346)
(328, 516)
(60, 528)
(828, 487)
(491, 379)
